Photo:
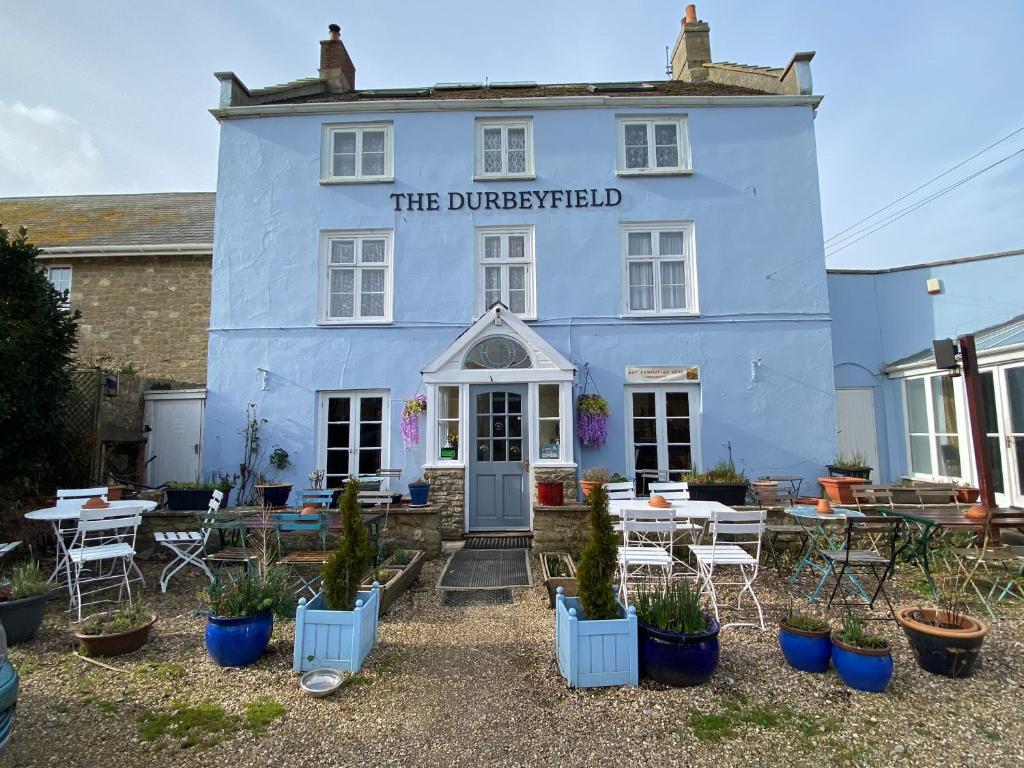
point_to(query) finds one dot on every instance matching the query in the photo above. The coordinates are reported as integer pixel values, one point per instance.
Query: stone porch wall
(448, 497)
(566, 475)
(563, 529)
(415, 529)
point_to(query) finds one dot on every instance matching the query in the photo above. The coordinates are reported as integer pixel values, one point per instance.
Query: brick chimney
(693, 49)
(336, 68)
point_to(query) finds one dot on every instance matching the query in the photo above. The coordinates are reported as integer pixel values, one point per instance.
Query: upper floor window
(356, 277)
(357, 153)
(659, 269)
(653, 145)
(505, 269)
(504, 148)
(60, 278)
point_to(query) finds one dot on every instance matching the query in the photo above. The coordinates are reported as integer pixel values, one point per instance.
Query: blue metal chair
(296, 561)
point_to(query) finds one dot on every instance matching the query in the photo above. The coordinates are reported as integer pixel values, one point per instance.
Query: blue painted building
(893, 405)
(489, 246)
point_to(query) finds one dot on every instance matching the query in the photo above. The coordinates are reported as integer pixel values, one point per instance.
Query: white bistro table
(685, 510)
(57, 516)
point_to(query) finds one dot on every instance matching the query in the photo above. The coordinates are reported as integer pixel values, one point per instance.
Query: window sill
(507, 177)
(660, 172)
(656, 315)
(350, 323)
(381, 180)
(444, 465)
(553, 464)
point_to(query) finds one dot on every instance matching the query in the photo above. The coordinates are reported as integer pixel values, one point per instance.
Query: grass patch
(718, 726)
(261, 713)
(200, 725)
(160, 670)
(358, 680)
(108, 707)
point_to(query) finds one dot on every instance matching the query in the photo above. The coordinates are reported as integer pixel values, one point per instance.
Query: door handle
(195, 449)
(526, 466)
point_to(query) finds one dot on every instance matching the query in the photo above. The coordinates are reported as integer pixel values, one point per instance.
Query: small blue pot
(419, 494)
(864, 669)
(238, 642)
(676, 659)
(806, 651)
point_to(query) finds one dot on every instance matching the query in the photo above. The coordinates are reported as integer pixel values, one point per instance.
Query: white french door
(1003, 408)
(662, 429)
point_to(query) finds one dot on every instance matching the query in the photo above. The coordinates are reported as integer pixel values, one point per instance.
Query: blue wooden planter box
(595, 653)
(338, 640)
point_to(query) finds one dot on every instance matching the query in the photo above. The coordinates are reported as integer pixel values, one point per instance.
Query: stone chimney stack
(336, 68)
(693, 49)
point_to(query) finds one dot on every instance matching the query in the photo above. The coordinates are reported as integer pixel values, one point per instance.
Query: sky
(113, 96)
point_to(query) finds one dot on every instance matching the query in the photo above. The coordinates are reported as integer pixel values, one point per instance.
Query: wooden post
(976, 419)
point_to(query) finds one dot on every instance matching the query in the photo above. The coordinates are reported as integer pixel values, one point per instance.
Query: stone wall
(563, 529)
(153, 311)
(415, 529)
(566, 475)
(448, 496)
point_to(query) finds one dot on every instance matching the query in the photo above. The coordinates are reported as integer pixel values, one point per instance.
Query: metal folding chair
(104, 538)
(1000, 566)
(743, 532)
(187, 547)
(66, 529)
(620, 491)
(230, 526)
(853, 559)
(774, 498)
(647, 546)
(297, 560)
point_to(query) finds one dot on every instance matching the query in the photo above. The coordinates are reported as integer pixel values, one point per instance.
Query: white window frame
(692, 391)
(961, 433)
(689, 260)
(682, 145)
(504, 124)
(327, 153)
(355, 396)
(48, 271)
(327, 237)
(528, 261)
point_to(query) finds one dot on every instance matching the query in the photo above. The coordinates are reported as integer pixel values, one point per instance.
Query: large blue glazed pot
(238, 642)
(864, 669)
(677, 659)
(806, 651)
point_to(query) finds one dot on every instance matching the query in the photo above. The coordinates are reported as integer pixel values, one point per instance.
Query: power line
(920, 204)
(918, 189)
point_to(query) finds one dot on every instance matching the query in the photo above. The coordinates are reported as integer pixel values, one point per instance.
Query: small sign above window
(662, 374)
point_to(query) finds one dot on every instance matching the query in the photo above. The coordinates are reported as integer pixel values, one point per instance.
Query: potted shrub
(945, 641)
(558, 570)
(240, 614)
(338, 628)
(183, 496)
(863, 661)
(596, 619)
(722, 483)
(116, 632)
(592, 478)
(805, 641)
(271, 494)
(852, 465)
(419, 492)
(395, 575)
(678, 640)
(23, 596)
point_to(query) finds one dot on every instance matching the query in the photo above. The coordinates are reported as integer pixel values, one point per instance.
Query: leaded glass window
(497, 352)
(504, 148)
(657, 145)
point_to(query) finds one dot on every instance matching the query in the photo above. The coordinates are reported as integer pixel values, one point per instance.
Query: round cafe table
(59, 515)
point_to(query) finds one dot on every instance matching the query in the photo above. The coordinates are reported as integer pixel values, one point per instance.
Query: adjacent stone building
(138, 269)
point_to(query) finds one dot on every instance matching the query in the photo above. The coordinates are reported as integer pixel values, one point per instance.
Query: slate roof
(169, 218)
(501, 91)
(1003, 335)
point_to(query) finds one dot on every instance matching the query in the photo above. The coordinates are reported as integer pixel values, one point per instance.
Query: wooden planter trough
(338, 640)
(595, 653)
(567, 583)
(403, 578)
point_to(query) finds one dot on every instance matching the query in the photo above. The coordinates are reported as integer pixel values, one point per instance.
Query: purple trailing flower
(411, 411)
(592, 420)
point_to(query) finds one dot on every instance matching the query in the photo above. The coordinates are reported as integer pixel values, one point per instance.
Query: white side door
(175, 438)
(855, 410)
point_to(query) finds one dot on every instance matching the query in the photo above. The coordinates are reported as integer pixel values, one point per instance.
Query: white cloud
(45, 152)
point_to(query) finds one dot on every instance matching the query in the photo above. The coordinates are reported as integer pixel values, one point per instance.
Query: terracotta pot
(967, 495)
(823, 507)
(95, 502)
(586, 486)
(976, 512)
(840, 489)
(116, 643)
(311, 509)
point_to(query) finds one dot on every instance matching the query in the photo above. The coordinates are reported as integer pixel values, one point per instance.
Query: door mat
(466, 597)
(498, 542)
(486, 569)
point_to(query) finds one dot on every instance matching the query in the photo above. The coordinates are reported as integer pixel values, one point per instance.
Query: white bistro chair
(620, 491)
(719, 561)
(676, 492)
(187, 547)
(646, 552)
(102, 553)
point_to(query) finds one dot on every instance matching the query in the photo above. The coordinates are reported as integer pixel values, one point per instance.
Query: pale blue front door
(498, 499)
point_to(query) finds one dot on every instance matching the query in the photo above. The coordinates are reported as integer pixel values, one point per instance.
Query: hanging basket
(592, 420)
(411, 411)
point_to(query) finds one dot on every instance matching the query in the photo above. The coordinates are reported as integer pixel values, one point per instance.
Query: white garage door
(856, 416)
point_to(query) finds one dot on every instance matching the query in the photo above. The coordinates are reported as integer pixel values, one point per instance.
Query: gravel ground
(478, 685)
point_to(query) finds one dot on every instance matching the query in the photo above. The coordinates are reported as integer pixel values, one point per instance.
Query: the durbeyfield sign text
(526, 199)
